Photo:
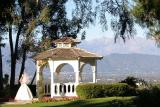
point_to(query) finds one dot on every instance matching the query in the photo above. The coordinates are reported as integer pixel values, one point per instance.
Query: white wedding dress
(24, 92)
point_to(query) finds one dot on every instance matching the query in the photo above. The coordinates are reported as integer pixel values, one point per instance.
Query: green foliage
(121, 22)
(97, 102)
(130, 81)
(6, 11)
(5, 92)
(118, 89)
(146, 13)
(5, 80)
(104, 90)
(44, 16)
(58, 24)
(89, 90)
(149, 97)
(9, 92)
(40, 86)
(40, 89)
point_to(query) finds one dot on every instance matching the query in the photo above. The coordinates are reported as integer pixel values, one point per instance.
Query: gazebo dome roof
(66, 53)
(66, 40)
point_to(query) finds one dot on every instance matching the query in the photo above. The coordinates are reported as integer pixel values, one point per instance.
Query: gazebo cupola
(66, 42)
(66, 52)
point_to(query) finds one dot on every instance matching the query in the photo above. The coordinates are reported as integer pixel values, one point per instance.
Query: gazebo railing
(61, 89)
(47, 89)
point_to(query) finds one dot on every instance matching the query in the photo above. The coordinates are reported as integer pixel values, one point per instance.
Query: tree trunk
(12, 78)
(17, 39)
(40, 85)
(1, 70)
(23, 63)
(33, 78)
(14, 54)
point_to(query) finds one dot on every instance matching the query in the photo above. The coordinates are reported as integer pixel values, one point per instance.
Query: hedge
(104, 90)
(149, 97)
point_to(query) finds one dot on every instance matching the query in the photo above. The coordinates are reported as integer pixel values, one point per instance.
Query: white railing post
(63, 93)
(55, 89)
(58, 89)
(66, 89)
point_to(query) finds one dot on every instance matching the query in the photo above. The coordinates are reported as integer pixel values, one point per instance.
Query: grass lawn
(97, 102)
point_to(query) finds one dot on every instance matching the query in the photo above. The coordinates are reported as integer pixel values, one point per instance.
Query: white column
(52, 86)
(94, 77)
(50, 62)
(77, 71)
(94, 70)
(38, 71)
(51, 67)
(77, 77)
(37, 75)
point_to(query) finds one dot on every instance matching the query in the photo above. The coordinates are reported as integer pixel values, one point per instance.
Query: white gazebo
(66, 52)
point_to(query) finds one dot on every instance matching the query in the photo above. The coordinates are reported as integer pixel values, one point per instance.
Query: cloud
(107, 46)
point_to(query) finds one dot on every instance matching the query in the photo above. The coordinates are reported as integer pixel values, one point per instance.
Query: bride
(24, 92)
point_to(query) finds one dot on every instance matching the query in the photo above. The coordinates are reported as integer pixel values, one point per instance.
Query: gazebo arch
(66, 52)
(86, 72)
(64, 73)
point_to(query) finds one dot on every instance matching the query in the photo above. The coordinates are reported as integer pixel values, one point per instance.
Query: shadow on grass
(1, 104)
(3, 100)
(83, 103)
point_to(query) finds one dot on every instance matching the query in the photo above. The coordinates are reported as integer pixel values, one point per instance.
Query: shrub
(119, 89)
(149, 97)
(103, 90)
(89, 90)
(40, 89)
(40, 86)
(33, 89)
(135, 82)
(130, 81)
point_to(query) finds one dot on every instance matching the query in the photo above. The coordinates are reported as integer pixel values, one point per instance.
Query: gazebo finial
(66, 42)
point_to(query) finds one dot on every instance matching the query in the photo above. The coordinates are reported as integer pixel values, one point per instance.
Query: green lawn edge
(96, 102)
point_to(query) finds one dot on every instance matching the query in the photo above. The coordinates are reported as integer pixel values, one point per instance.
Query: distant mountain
(119, 66)
(130, 62)
(122, 65)
(111, 66)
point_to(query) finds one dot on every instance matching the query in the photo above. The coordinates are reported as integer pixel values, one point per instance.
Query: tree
(29, 20)
(50, 15)
(1, 65)
(24, 12)
(122, 21)
(58, 24)
(5, 17)
(147, 14)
